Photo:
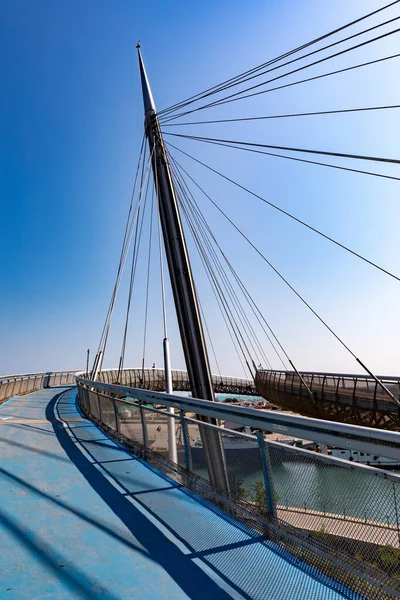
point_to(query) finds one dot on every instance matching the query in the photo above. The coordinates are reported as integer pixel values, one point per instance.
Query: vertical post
(115, 415)
(173, 456)
(180, 272)
(144, 424)
(186, 441)
(87, 362)
(96, 366)
(99, 405)
(267, 473)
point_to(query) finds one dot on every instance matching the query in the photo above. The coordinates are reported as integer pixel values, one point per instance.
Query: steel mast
(185, 299)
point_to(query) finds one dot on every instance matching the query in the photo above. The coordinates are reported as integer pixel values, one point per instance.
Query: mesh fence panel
(157, 432)
(347, 510)
(157, 435)
(93, 404)
(244, 469)
(199, 466)
(84, 398)
(129, 421)
(180, 444)
(340, 518)
(107, 410)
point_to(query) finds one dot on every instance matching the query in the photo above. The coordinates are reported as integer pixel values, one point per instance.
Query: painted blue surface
(81, 517)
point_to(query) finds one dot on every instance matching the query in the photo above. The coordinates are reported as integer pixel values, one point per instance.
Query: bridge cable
(132, 228)
(249, 328)
(304, 160)
(286, 85)
(284, 116)
(230, 292)
(256, 311)
(281, 210)
(217, 293)
(204, 320)
(274, 335)
(207, 263)
(393, 161)
(209, 238)
(214, 281)
(125, 255)
(220, 87)
(306, 56)
(235, 96)
(124, 241)
(163, 299)
(277, 272)
(255, 368)
(122, 260)
(160, 246)
(148, 280)
(135, 254)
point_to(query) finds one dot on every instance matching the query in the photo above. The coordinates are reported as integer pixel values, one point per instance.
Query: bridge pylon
(180, 272)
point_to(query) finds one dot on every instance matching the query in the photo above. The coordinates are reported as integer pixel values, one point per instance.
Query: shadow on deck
(81, 517)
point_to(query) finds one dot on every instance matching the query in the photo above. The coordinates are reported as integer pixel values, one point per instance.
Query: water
(312, 485)
(317, 487)
(251, 399)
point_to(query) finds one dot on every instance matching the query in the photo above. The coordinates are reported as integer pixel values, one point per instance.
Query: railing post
(267, 472)
(144, 424)
(115, 414)
(99, 405)
(323, 385)
(354, 391)
(186, 441)
(375, 403)
(337, 386)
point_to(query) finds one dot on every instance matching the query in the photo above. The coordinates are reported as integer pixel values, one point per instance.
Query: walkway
(80, 517)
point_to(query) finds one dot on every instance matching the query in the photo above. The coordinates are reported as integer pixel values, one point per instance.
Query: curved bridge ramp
(81, 517)
(154, 379)
(355, 399)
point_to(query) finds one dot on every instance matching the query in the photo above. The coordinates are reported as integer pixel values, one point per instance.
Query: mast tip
(138, 45)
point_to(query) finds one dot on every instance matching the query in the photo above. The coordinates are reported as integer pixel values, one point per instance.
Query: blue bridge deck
(83, 518)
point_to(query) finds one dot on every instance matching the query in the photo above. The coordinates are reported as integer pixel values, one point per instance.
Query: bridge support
(185, 299)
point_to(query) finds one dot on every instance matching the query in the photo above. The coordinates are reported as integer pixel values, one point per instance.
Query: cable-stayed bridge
(187, 485)
(178, 215)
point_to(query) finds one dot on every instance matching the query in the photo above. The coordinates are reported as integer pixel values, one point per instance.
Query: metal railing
(154, 379)
(16, 385)
(337, 516)
(358, 399)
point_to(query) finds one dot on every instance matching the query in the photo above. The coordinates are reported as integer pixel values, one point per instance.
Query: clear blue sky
(71, 125)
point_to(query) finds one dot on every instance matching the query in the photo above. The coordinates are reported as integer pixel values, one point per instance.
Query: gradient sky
(71, 121)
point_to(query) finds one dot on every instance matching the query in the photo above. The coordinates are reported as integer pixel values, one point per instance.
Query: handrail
(40, 373)
(349, 398)
(322, 374)
(356, 437)
(154, 379)
(14, 385)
